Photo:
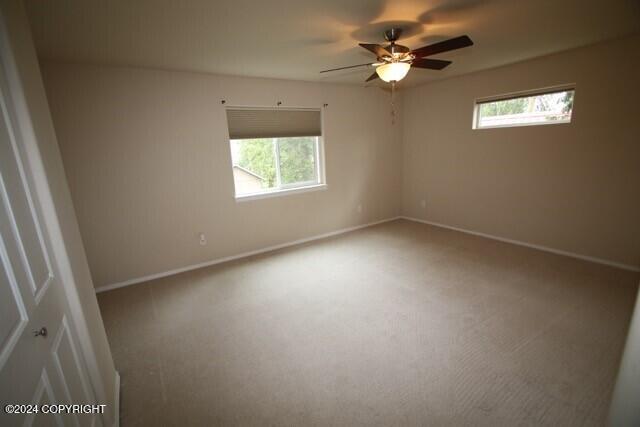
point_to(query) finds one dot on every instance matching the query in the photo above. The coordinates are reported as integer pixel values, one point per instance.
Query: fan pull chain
(393, 105)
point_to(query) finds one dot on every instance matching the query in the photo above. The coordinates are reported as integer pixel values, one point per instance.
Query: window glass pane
(297, 159)
(254, 165)
(261, 165)
(553, 107)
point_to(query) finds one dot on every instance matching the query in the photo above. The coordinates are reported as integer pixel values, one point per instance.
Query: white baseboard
(116, 420)
(235, 257)
(529, 245)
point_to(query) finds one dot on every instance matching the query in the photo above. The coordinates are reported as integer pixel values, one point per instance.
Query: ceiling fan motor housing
(397, 49)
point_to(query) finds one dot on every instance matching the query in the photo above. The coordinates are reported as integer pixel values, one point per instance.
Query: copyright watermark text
(54, 409)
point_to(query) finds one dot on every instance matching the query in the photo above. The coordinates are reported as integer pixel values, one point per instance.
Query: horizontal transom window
(273, 151)
(547, 107)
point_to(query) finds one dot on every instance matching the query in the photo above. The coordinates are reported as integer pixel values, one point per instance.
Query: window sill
(283, 192)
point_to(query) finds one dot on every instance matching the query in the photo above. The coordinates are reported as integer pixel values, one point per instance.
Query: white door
(40, 361)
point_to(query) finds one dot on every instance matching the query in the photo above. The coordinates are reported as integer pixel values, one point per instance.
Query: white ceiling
(295, 39)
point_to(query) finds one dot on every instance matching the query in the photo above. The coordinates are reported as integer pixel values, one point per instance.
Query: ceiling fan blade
(344, 68)
(376, 48)
(431, 64)
(443, 46)
(372, 77)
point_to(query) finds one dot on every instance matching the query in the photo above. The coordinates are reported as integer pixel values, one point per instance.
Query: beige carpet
(398, 324)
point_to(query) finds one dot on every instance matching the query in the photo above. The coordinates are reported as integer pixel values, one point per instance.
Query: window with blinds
(275, 151)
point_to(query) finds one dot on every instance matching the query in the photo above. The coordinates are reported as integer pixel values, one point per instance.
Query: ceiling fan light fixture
(393, 71)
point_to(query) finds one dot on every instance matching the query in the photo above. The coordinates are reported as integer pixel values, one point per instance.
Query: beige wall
(573, 187)
(149, 166)
(148, 162)
(52, 195)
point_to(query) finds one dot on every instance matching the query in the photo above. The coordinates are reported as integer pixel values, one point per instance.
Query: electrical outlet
(423, 204)
(360, 208)
(203, 239)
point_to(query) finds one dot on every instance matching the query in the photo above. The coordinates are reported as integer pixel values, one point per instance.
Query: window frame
(293, 188)
(521, 94)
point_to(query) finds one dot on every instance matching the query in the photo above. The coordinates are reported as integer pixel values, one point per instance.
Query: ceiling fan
(394, 60)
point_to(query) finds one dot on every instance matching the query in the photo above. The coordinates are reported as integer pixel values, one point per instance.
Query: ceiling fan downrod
(392, 34)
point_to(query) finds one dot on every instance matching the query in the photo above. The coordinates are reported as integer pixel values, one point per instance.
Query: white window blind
(247, 123)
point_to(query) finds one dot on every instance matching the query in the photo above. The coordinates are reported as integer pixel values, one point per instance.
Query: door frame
(12, 32)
